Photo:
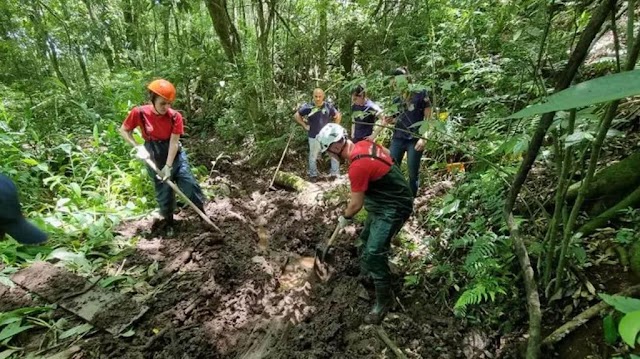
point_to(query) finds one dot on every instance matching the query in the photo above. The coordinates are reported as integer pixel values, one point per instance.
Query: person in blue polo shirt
(412, 107)
(317, 116)
(12, 222)
(364, 113)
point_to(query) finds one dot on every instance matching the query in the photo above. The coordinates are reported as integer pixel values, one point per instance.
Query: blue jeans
(314, 152)
(398, 147)
(183, 178)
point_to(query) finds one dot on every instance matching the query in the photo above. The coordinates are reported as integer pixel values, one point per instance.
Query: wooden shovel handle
(153, 166)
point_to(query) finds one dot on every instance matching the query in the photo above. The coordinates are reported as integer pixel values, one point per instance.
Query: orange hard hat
(163, 88)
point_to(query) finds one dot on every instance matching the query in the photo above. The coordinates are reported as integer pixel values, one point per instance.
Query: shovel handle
(331, 240)
(173, 186)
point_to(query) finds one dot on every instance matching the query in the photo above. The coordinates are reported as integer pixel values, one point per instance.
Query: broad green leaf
(629, 327)
(8, 353)
(622, 304)
(76, 189)
(77, 330)
(610, 331)
(30, 161)
(128, 333)
(601, 89)
(12, 329)
(108, 281)
(577, 137)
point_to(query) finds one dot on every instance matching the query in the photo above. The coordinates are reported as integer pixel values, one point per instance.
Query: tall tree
(225, 28)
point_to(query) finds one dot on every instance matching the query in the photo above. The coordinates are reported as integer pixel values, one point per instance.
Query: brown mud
(252, 292)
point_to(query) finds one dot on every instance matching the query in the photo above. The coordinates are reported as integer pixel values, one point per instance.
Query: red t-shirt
(156, 127)
(367, 169)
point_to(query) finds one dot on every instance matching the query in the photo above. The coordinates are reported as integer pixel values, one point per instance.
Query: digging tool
(319, 263)
(153, 166)
(280, 163)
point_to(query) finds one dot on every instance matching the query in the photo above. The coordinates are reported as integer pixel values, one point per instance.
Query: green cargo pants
(375, 240)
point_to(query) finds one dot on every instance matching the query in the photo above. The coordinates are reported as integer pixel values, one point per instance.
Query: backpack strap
(372, 154)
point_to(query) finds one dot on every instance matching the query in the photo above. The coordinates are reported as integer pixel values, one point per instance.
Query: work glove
(343, 221)
(142, 153)
(165, 173)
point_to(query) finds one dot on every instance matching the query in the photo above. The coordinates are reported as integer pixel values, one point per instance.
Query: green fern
(478, 293)
(480, 259)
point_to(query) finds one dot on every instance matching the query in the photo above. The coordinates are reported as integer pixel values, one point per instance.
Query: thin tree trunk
(577, 57)
(225, 29)
(323, 8)
(166, 25)
(563, 184)
(531, 287)
(608, 117)
(128, 12)
(97, 29)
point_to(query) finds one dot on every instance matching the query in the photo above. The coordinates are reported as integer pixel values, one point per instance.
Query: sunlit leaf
(77, 330)
(601, 89)
(629, 327)
(622, 304)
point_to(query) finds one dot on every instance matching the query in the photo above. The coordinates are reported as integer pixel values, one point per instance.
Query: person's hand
(419, 145)
(343, 221)
(142, 153)
(387, 120)
(306, 127)
(165, 173)
(370, 138)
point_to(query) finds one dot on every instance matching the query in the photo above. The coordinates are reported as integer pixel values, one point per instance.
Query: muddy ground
(252, 292)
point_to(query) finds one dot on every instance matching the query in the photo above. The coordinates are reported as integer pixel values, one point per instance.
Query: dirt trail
(253, 295)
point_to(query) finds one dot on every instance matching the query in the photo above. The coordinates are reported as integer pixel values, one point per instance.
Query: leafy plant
(629, 325)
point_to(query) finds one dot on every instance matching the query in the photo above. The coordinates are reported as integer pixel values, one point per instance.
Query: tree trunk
(97, 29)
(631, 200)
(577, 57)
(323, 40)
(531, 287)
(347, 54)
(166, 25)
(128, 12)
(225, 29)
(618, 177)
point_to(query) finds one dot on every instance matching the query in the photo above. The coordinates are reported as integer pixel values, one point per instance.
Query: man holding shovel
(378, 185)
(161, 129)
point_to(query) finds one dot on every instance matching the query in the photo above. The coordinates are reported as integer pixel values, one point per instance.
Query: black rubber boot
(384, 299)
(165, 224)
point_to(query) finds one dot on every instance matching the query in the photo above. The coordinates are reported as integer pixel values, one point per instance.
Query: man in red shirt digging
(161, 129)
(378, 185)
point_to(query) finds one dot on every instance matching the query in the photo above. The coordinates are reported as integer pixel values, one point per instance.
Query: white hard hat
(329, 134)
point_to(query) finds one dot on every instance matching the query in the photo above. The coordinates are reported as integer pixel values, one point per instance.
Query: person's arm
(353, 128)
(174, 144)
(300, 121)
(355, 204)
(337, 117)
(128, 136)
(427, 115)
(378, 128)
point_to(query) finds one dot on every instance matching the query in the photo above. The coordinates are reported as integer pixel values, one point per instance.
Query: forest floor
(252, 293)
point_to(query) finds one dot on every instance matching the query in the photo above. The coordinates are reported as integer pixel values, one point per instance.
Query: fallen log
(584, 317)
(632, 200)
(620, 177)
(291, 181)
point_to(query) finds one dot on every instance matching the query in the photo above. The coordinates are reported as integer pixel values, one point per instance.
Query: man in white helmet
(379, 186)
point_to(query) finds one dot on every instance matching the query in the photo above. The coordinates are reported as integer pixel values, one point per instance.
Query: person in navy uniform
(12, 222)
(364, 114)
(317, 114)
